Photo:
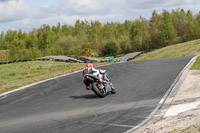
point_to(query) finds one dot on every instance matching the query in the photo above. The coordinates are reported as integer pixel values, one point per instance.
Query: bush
(125, 47)
(56, 50)
(86, 52)
(4, 55)
(110, 49)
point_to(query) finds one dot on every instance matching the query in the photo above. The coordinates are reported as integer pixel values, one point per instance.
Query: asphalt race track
(63, 105)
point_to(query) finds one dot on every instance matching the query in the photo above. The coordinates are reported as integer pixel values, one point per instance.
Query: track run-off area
(63, 105)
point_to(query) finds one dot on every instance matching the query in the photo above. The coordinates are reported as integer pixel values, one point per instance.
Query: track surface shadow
(87, 96)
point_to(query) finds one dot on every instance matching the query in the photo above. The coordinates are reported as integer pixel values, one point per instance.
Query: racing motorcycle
(99, 86)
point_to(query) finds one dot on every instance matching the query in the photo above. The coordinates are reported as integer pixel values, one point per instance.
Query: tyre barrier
(14, 61)
(2, 63)
(86, 60)
(78, 59)
(81, 58)
(106, 61)
(142, 52)
(134, 56)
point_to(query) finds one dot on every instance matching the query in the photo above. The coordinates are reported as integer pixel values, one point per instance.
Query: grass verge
(196, 65)
(176, 50)
(16, 75)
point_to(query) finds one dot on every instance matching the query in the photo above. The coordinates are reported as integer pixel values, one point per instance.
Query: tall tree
(189, 27)
(139, 35)
(3, 45)
(167, 29)
(155, 26)
(179, 18)
(197, 26)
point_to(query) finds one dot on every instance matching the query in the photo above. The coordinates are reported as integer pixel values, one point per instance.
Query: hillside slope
(181, 49)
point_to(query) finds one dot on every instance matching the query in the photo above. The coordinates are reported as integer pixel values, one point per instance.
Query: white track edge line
(29, 85)
(162, 100)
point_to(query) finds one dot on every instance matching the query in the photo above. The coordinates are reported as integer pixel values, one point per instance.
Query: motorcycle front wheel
(98, 91)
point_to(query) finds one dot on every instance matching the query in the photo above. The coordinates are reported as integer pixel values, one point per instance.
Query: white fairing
(97, 72)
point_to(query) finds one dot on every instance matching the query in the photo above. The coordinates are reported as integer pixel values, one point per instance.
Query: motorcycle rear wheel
(99, 92)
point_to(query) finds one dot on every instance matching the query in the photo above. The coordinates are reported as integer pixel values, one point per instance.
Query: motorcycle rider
(102, 74)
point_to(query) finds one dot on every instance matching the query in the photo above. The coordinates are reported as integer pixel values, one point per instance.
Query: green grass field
(181, 49)
(196, 65)
(16, 75)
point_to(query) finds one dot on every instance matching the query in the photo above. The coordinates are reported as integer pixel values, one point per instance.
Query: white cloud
(45, 6)
(13, 10)
(149, 4)
(17, 14)
(81, 7)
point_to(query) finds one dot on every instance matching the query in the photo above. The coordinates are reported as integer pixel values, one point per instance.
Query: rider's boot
(113, 91)
(87, 87)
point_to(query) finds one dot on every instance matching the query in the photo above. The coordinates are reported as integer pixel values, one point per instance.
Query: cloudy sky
(29, 14)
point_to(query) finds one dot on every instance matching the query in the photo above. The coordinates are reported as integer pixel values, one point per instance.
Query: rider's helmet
(89, 65)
